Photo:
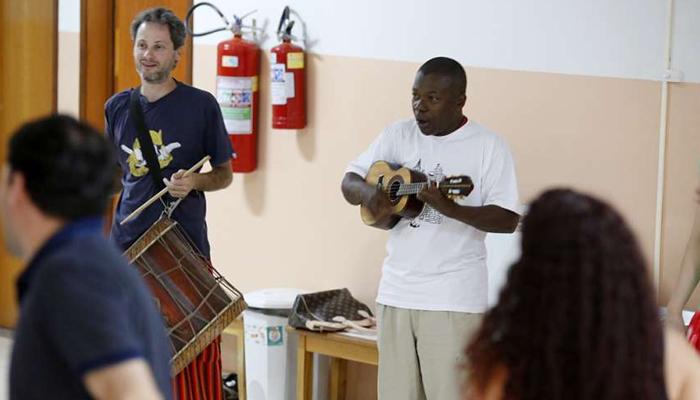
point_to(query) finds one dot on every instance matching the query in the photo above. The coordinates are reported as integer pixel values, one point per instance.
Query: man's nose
(418, 105)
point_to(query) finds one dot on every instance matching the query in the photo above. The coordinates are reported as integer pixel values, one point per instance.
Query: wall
(682, 172)
(69, 57)
(573, 86)
(558, 127)
(594, 56)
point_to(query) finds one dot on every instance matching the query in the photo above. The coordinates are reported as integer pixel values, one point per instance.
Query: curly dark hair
(68, 166)
(577, 317)
(162, 16)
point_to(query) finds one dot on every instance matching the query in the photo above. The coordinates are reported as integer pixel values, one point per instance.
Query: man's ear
(462, 100)
(177, 56)
(16, 188)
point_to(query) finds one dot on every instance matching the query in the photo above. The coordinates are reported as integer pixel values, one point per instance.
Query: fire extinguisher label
(235, 96)
(289, 84)
(229, 61)
(295, 60)
(278, 87)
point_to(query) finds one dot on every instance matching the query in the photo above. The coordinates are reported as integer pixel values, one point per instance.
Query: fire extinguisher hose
(227, 24)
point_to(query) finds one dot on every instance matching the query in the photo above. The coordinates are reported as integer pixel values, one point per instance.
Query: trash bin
(270, 352)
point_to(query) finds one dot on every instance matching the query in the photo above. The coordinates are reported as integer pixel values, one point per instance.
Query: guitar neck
(454, 187)
(411, 188)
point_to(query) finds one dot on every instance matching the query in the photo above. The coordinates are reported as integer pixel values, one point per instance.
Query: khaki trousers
(420, 352)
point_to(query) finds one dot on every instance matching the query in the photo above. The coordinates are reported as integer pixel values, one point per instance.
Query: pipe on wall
(663, 122)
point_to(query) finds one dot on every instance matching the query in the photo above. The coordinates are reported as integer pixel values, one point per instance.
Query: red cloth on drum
(694, 331)
(201, 380)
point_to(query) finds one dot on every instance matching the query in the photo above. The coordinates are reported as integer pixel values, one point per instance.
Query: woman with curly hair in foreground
(577, 317)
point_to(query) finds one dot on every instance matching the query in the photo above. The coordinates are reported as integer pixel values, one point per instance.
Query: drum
(196, 302)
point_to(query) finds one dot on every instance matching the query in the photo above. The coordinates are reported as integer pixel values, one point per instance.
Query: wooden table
(340, 348)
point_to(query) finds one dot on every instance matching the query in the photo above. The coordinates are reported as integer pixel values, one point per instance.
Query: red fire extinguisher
(694, 331)
(237, 72)
(287, 79)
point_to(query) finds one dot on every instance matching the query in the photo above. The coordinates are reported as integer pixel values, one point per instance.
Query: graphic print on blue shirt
(136, 161)
(185, 125)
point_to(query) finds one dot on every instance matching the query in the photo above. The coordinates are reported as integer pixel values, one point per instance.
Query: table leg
(240, 365)
(338, 378)
(305, 368)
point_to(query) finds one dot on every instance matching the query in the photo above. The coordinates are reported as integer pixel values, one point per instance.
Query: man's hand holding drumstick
(180, 183)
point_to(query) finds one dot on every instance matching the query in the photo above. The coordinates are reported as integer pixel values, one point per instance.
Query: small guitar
(401, 185)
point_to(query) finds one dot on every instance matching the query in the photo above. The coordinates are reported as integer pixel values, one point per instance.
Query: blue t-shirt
(185, 125)
(82, 308)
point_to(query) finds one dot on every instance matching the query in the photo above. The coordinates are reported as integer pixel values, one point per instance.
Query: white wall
(686, 44)
(68, 57)
(621, 38)
(69, 15)
(503, 250)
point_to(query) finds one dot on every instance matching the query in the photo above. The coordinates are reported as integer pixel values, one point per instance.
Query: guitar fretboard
(405, 189)
(410, 188)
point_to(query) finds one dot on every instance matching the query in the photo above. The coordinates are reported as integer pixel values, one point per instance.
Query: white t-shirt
(434, 262)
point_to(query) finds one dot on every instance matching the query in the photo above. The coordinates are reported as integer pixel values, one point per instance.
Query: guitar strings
(413, 188)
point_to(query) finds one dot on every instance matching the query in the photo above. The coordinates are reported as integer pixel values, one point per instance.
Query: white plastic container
(270, 352)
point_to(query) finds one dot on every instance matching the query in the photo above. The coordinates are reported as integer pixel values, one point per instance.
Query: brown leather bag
(330, 311)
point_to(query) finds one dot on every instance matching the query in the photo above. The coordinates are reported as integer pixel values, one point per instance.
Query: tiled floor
(5, 347)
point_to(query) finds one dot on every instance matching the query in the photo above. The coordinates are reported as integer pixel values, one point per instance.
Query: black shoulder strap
(147, 148)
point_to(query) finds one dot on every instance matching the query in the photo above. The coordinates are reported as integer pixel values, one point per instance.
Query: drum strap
(147, 148)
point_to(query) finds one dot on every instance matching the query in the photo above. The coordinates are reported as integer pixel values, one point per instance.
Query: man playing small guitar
(433, 288)
(401, 185)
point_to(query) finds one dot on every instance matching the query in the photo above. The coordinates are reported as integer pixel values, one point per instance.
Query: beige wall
(286, 225)
(682, 173)
(595, 134)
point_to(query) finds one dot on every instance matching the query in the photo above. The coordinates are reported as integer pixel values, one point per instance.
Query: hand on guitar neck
(432, 195)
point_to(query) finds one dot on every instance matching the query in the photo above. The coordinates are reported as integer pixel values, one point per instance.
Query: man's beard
(159, 76)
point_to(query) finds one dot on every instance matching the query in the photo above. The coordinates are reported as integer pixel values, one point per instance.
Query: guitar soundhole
(393, 190)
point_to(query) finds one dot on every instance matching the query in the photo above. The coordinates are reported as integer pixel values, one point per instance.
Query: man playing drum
(184, 124)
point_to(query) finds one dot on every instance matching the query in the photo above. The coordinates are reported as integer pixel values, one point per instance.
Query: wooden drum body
(196, 302)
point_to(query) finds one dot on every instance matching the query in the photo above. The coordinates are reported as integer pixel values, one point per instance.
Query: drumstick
(161, 193)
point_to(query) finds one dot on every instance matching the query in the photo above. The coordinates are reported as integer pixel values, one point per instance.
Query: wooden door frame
(28, 90)
(96, 59)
